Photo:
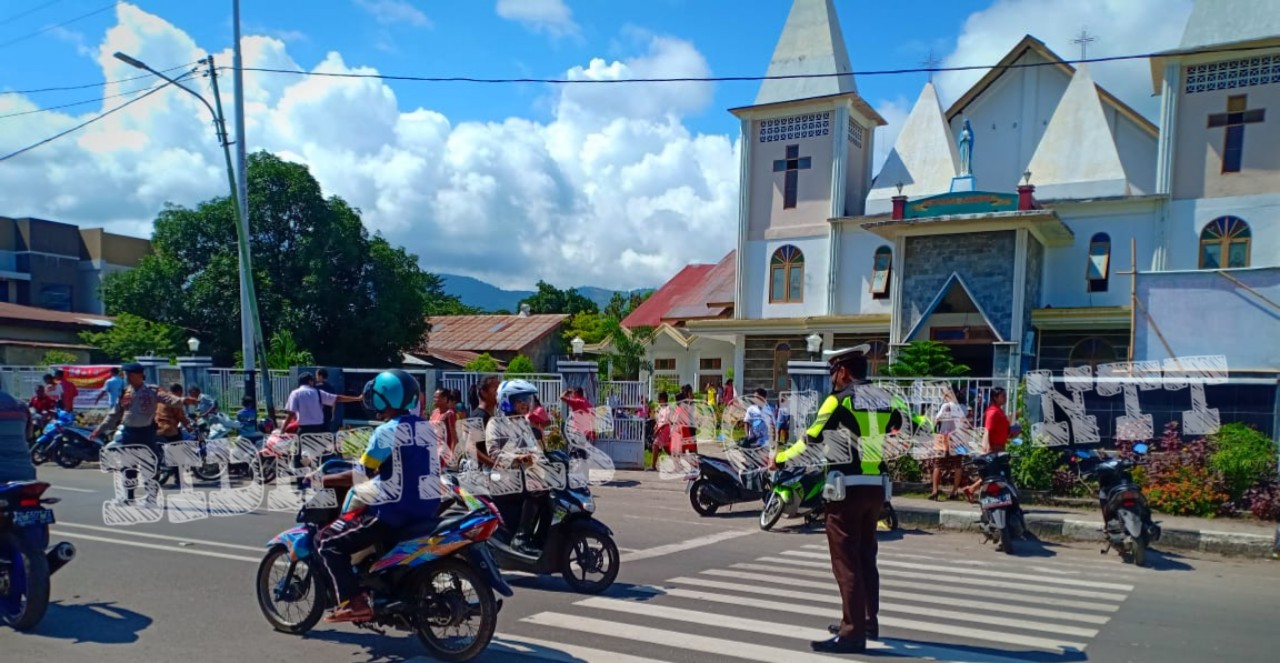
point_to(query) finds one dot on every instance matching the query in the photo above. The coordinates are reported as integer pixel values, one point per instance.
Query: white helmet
(514, 389)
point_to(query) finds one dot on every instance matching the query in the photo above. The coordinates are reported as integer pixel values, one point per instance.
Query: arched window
(880, 267)
(1091, 352)
(781, 377)
(1225, 243)
(786, 275)
(1098, 271)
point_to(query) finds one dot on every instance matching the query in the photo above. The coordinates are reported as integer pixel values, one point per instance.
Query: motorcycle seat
(428, 527)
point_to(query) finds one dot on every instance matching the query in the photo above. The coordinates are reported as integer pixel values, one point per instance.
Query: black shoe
(873, 632)
(524, 548)
(839, 645)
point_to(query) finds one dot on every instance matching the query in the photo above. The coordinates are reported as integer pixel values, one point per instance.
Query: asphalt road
(691, 589)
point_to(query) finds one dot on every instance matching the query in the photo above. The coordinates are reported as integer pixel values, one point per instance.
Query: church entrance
(978, 357)
(957, 323)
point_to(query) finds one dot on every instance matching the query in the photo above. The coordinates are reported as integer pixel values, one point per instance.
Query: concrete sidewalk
(1228, 536)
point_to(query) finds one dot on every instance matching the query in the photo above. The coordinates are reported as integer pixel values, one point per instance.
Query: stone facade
(984, 260)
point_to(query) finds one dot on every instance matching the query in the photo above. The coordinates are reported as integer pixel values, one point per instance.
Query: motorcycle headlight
(588, 504)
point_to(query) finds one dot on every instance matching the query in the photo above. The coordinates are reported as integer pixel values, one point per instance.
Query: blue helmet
(391, 390)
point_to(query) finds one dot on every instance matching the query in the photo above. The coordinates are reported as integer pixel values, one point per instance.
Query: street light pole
(220, 126)
(247, 328)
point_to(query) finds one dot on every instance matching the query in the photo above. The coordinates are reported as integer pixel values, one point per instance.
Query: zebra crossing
(933, 607)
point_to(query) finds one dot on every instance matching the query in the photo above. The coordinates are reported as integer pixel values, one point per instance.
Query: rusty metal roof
(20, 313)
(490, 333)
(697, 291)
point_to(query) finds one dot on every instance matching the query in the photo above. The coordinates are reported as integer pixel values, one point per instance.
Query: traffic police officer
(851, 521)
(137, 410)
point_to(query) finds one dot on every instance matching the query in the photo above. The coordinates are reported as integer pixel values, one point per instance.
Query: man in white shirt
(307, 404)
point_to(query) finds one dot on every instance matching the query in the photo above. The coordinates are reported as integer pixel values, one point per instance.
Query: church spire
(1077, 156)
(924, 159)
(811, 43)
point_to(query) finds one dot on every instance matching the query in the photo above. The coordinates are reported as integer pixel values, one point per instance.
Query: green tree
(550, 299)
(348, 297)
(482, 364)
(925, 359)
(57, 358)
(520, 366)
(590, 327)
(627, 349)
(283, 353)
(133, 336)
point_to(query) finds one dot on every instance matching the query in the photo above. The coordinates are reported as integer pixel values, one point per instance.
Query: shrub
(1187, 491)
(520, 366)
(1244, 457)
(1263, 500)
(1033, 467)
(906, 469)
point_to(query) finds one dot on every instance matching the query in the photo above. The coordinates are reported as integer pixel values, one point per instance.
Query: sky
(615, 186)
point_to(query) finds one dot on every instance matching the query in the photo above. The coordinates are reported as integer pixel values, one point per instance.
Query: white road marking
(162, 537)
(558, 651)
(1039, 565)
(777, 629)
(953, 579)
(672, 548)
(632, 516)
(152, 546)
(979, 572)
(688, 641)
(72, 490)
(987, 606)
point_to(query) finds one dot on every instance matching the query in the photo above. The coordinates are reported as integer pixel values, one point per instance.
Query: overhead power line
(48, 109)
(86, 86)
(90, 121)
(11, 19)
(69, 21)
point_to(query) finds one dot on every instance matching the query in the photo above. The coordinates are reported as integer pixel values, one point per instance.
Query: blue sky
(615, 186)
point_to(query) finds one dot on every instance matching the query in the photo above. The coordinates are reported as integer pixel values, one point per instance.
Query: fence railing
(550, 385)
(925, 395)
(226, 386)
(624, 393)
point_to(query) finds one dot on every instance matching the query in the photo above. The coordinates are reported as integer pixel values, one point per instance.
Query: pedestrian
(857, 496)
(137, 411)
(580, 413)
(247, 417)
(784, 418)
(307, 403)
(998, 428)
(111, 389)
(323, 384)
(67, 388)
(52, 389)
(951, 418)
(727, 394)
(661, 431)
(446, 415)
(171, 419)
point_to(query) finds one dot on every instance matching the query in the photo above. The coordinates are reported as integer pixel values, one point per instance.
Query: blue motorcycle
(45, 446)
(25, 566)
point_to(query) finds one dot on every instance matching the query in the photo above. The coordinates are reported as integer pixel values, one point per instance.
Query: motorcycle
(210, 430)
(1002, 519)
(38, 421)
(417, 581)
(1129, 528)
(42, 448)
(564, 535)
(72, 446)
(717, 483)
(25, 565)
(796, 492)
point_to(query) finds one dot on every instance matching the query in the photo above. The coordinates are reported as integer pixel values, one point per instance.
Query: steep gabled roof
(811, 44)
(924, 158)
(1031, 43)
(1222, 22)
(695, 292)
(489, 333)
(1077, 156)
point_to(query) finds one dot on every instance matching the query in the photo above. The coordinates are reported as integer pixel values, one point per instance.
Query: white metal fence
(226, 387)
(925, 395)
(550, 385)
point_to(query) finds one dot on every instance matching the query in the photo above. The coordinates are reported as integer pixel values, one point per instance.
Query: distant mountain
(487, 297)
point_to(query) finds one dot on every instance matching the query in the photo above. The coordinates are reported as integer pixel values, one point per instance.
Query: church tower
(806, 158)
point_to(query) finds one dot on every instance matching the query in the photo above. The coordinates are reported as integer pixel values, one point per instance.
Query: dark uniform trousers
(851, 535)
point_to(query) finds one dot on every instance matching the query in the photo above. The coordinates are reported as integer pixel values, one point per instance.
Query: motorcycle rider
(137, 410)
(367, 519)
(515, 398)
(851, 522)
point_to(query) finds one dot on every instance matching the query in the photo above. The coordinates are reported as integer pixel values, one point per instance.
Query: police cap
(133, 367)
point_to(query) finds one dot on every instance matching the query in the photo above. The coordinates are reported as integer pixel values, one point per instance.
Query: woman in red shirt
(446, 414)
(997, 425)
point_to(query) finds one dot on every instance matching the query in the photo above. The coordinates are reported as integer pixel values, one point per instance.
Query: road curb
(1223, 543)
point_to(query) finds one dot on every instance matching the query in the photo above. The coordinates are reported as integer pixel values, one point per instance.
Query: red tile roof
(690, 294)
(458, 358)
(19, 313)
(489, 333)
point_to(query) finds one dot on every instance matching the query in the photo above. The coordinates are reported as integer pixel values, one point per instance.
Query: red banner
(88, 377)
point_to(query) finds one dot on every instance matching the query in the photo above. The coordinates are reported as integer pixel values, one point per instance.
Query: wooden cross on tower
(1234, 121)
(1084, 40)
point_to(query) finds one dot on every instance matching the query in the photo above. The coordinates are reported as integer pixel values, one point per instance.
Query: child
(247, 417)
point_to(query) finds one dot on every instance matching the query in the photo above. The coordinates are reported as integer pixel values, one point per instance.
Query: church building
(1007, 225)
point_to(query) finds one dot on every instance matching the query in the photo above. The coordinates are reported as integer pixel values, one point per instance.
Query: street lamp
(577, 344)
(193, 344)
(814, 343)
(251, 324)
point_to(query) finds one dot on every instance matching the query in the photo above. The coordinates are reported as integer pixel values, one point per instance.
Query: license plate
(32, 517)
(995, 502)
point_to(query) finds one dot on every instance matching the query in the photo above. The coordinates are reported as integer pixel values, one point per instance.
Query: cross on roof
(930, 62)
(1084, 40)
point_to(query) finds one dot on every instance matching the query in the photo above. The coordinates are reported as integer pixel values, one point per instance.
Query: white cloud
(894, 112)
(551, 16)
(614, 190)
(395, 12)
(1122, 27)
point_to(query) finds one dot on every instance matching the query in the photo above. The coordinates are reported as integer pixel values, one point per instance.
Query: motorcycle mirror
(1140, 448)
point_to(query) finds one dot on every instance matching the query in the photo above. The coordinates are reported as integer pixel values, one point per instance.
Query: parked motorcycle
(42, 448)
(208, 431)
(567, 534)
(1002, 519)
(72, 447)
(25, 565)
(717, 483)
(419, 582)
(1129, 529)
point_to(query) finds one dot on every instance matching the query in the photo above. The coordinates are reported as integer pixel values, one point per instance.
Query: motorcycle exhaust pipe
(717, 494)
(59, 556)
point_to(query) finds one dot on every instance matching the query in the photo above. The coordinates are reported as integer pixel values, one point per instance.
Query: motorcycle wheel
(207, 472)
(771, 512)
(604, 561)
(701, 503)
(1138, 551)
(443, 604)
(290, 590)
(28, 598)
(64, 458)
(38, 456)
